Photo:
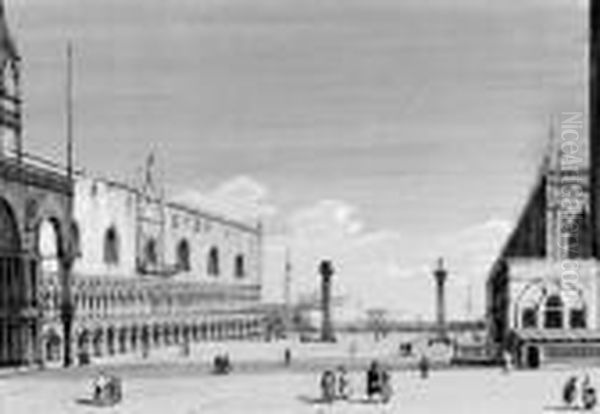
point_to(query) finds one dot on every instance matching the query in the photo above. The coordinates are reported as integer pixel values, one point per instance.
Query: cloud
(326, 220)
(240, 197)
(241, 189)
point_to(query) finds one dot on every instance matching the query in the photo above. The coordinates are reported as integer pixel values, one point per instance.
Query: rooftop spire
(8, 50)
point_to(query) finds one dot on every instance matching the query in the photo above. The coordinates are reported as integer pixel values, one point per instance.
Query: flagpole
(69, 111)
(67, 306)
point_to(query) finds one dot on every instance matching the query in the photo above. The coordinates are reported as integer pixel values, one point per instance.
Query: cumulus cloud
(240, 197)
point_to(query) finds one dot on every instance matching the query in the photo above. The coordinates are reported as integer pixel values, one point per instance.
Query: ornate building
(543, 290)
(90, 266)
(150, 273)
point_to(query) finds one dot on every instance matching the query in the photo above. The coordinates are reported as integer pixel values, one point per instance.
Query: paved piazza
(187, 389)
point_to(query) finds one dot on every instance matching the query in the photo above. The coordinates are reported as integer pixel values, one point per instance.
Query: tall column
(440, 274)
(326, 271)
(67, 310)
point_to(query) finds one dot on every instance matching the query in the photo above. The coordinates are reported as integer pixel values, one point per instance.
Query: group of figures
(585, 391)
(335, 385)
(222, 364)
(108, 390)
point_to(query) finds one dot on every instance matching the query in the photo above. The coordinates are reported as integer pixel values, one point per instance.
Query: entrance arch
(532, 357)
(15, 334)
(9, 229)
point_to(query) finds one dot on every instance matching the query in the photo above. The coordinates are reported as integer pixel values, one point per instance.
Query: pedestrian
(373, 380)
(506, 362)
(386, 386)
(328, 386)
(424, 366)
(343, 384)
(588, 394)
(287, 357)
(570, 391)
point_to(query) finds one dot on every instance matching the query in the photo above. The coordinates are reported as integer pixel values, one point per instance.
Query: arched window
(213, 262)
(183, 255)
(554, 312)
(529, 318)
(150, 252)
(239, 266)
(111, 246)
(76, 239)
(48, 245)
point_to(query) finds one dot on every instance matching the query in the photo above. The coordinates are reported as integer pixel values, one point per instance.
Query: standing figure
(343, 384)
(506, 362)
(328, 386)
(570, 391)
(588, 394)
(424, 366)
(386, 386)
(373, 380)
(287, 357)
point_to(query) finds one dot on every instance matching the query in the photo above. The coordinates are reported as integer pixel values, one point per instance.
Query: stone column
(440, 274)
(326, 271)
(67, 310)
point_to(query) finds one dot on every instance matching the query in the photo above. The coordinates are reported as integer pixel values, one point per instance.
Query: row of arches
(98, 297)
(115, 339)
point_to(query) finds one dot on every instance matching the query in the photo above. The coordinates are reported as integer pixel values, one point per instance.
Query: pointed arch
(111, 246)
(213, 261)
(239, 266)
(150, 252)
(183, 255)
(9, 230)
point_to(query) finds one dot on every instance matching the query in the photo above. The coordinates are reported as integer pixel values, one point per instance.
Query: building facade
(90, 267)
(544, 289)
(150, 273)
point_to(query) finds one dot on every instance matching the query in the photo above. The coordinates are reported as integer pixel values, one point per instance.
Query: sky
(381, 134)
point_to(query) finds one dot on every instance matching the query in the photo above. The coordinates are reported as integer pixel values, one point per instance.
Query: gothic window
(150, 252)
(239, 266)
(554, 312)
(577, 319)
(111, 246)
(183, 255)
(529, 318)
(76, 239)
(213, 262)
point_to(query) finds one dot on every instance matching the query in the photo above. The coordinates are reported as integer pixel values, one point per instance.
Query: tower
(440, 274)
